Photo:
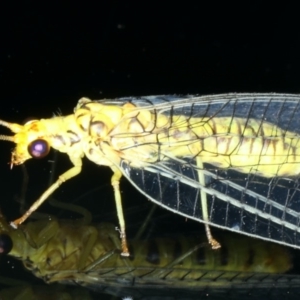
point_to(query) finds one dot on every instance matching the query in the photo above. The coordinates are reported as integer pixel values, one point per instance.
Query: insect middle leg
(115, 182)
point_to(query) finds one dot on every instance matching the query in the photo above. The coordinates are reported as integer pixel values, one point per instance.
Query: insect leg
(203, 198)
(75, 170)
(115, 182)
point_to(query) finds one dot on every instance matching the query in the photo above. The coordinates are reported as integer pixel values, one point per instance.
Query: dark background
(53, 54)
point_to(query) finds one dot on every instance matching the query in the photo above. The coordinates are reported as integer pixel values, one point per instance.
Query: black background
(53, 54)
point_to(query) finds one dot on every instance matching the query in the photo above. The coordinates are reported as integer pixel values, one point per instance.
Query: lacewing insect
(231, 160)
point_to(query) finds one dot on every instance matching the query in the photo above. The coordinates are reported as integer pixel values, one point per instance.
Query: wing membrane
(254, 202)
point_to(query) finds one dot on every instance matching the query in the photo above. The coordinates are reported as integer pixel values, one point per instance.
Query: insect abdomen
(247, 145)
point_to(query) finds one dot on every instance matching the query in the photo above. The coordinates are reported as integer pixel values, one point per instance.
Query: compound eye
(6, 243)
(38, 148)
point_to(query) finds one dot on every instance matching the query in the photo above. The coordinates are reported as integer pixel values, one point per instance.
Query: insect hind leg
(203, 198)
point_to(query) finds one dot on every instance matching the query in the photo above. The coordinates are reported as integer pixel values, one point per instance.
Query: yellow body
(107, 134)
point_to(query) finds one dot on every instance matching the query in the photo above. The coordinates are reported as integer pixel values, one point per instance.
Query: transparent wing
(247, 202)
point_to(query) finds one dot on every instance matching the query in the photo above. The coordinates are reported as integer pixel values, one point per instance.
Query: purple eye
(38, 148)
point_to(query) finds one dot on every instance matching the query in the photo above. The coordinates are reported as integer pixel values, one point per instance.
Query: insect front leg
(75, 170)
(115, 182)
